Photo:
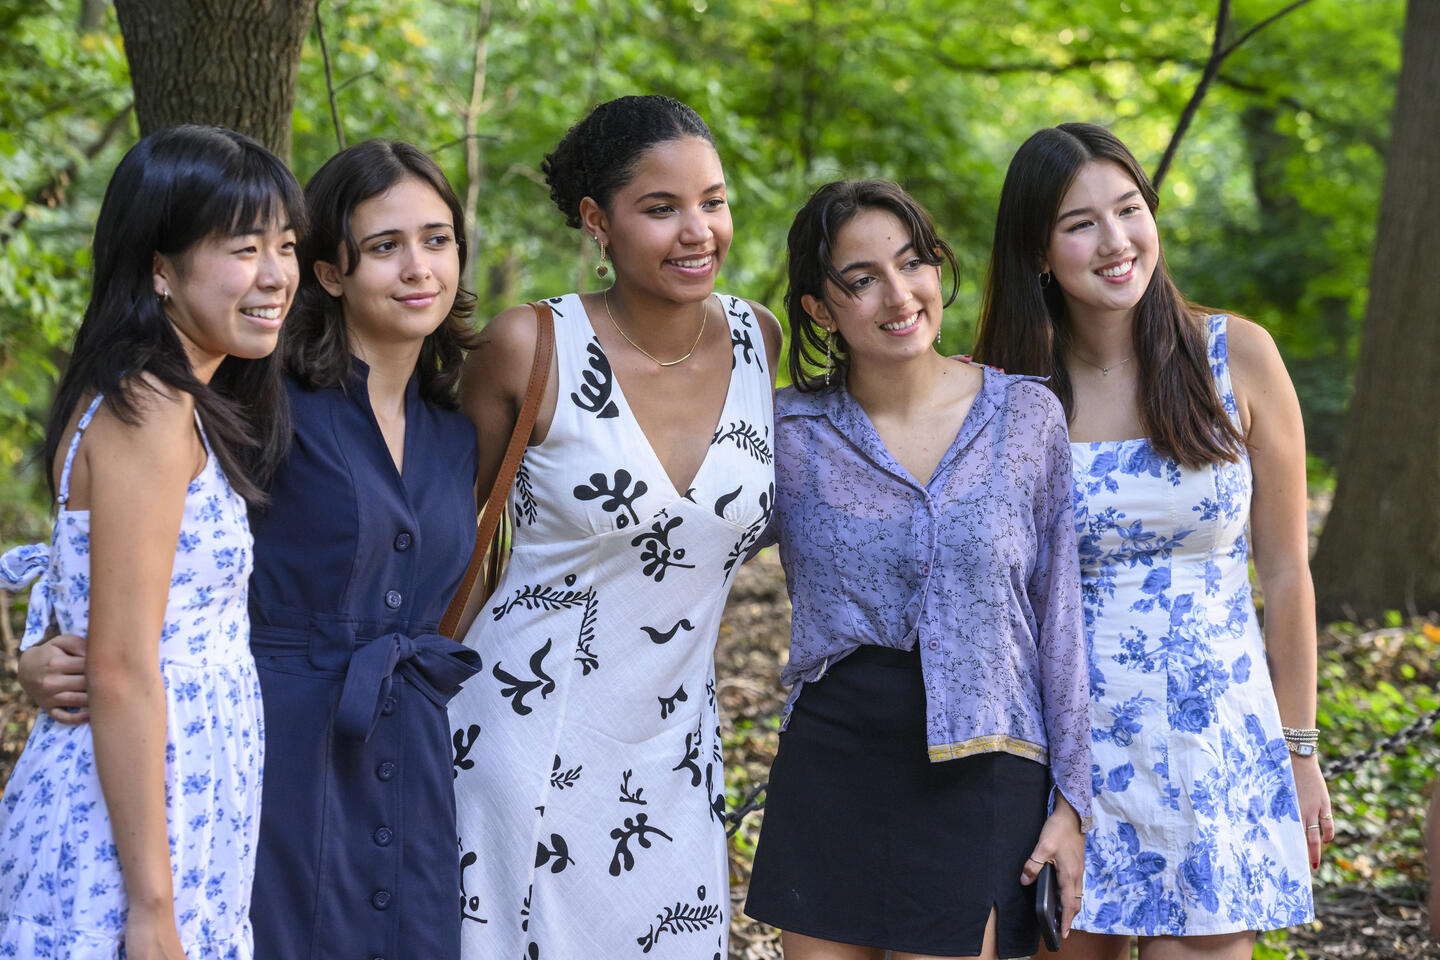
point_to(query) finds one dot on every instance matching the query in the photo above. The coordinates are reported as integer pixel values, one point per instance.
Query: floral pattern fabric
(61, 892)
(974, 565)
(1196, 823)
(589, 775)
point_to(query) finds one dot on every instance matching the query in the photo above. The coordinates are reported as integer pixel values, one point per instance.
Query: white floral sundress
(61, 892)
(1196, 825)
(589, 771)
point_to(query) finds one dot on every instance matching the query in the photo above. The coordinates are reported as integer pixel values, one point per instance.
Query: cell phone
(1047, 906)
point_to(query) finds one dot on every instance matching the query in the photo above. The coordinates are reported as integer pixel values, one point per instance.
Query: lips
(698, 264)
(902, 325)
(266, 316)
(1119, 270)
(418, 300)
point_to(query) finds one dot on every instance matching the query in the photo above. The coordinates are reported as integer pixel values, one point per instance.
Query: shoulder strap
(493, 509)
(63, 493)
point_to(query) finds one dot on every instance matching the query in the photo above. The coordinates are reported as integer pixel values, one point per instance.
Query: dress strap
(1219, 353)
(85, 418)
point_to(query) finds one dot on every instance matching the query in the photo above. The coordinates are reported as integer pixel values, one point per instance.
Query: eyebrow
(256, 230)
(667, 195)
(428, 226)
(866, 263)
(1079, 210)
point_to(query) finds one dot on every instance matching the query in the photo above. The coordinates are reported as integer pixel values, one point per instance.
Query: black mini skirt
(866, 841)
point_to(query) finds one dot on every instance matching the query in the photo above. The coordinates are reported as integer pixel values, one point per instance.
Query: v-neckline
(635, 421)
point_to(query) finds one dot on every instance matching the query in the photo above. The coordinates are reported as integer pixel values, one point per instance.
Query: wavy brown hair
(811, 266)
(317, 343)
(1025, 328)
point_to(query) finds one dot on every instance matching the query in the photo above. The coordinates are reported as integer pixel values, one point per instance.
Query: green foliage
(1269, 208)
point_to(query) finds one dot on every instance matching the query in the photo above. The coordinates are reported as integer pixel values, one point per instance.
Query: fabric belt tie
(18, 567)
(434, 665)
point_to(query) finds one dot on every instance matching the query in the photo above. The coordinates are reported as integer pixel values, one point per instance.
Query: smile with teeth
(694, 263)
(904, 324)
(263, 313)
(1118, 270)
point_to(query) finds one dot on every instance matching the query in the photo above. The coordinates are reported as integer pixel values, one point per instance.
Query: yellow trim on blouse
(1000, 742)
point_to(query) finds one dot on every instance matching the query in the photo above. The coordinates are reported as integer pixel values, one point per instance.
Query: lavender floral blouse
(978, 566)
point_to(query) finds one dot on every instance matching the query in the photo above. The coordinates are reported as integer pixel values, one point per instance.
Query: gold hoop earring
(601, 270)
(163, 297)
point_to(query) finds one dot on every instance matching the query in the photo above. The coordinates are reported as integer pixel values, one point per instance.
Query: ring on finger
(1033, 860)
(1312, 826)
(1326, 816)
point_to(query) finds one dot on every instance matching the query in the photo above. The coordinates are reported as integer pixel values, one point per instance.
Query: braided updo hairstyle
(597, 156)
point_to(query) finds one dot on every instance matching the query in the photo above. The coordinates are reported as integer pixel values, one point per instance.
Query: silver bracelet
(1301, 742)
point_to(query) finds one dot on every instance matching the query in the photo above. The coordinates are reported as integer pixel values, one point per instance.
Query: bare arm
(137, 479)
(492, 388)
(774, 336)
(1275, 438)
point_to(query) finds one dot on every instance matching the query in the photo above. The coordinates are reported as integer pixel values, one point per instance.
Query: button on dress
(355, 564)
(588, 761)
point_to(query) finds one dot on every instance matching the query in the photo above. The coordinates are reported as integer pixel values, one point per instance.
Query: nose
(1112, 237)
(895, 288)
(694, 227)
(416, 265)
(278, 270)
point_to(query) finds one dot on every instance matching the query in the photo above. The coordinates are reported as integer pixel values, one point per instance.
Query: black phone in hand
(1047, 906)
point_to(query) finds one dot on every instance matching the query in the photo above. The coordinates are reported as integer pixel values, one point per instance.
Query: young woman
(591, 787)
(936, 653)
(1186, 430)
(367, 532)
(134, 835)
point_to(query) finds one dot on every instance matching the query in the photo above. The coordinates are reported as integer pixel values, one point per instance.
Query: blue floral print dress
(61, 892)
(1196, 824)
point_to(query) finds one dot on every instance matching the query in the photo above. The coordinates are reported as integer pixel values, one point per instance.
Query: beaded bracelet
(1301, 742)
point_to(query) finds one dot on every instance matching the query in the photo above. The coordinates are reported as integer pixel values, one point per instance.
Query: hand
(1061, 842)
(1314, 797)
(53, 675)
(150, 934)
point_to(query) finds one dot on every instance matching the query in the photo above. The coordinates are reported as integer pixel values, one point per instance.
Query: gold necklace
(704, 315)
(1104, 371)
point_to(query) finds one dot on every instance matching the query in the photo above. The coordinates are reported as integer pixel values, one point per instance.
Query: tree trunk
(228, 62)
(1380, 549)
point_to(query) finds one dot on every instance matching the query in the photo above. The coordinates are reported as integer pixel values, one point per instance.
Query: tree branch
(474, 159)
(1212, 68)
(329, 79)
(51, 193)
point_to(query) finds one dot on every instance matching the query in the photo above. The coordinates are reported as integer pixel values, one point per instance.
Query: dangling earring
(829, 362)
(1045, 279)
(601, 270)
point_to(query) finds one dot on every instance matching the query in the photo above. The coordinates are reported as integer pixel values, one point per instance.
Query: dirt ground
(1353, 923)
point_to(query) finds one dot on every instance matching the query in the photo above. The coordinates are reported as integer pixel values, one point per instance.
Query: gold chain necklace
(704, 315)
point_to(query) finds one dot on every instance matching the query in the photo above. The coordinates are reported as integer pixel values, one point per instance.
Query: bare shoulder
(510, 334)
(1255, 363)
(770, 329)
(161, 412)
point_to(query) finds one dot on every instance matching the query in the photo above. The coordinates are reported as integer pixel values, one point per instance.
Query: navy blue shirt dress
(354, 565)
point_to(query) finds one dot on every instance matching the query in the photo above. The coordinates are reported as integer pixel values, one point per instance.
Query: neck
(666, 328)
(904, 386)
(391, 365)
(1102, 337)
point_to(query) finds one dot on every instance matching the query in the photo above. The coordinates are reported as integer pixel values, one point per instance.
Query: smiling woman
(590, 818)
(1188, 450)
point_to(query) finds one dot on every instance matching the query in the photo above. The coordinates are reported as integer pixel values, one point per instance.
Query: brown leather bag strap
(494, 507)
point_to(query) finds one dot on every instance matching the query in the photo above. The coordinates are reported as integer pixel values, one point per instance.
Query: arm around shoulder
(774, 336)
(493, 382)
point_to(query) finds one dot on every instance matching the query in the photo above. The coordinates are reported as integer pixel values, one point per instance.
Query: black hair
(811, 265)
(1025, 328)
(317, 343)
(173, 189)
(597, 156)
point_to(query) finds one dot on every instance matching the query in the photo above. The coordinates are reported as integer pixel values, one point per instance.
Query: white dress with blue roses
(61, 892)
(1196, 826)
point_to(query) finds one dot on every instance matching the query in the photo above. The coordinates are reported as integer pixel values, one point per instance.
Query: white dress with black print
(588, 767)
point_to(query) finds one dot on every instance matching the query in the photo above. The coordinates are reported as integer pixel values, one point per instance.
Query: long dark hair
(811, 265)
(172, 189)
(597, 156)
(1025, 328)
(317, 344)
